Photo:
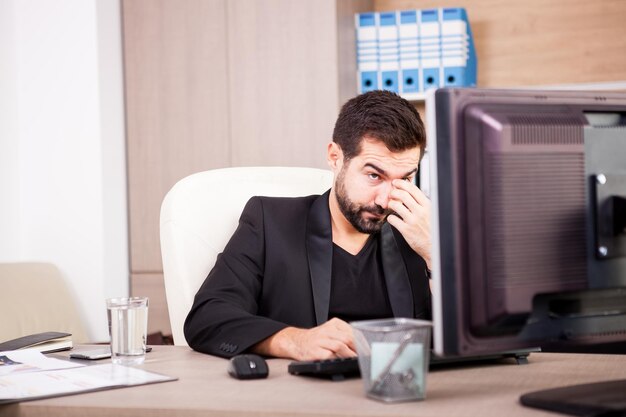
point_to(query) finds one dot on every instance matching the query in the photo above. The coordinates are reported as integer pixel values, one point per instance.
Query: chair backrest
(201, 212)
(35, 298)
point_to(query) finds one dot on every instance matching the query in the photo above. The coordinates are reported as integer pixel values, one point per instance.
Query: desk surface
(204, 389)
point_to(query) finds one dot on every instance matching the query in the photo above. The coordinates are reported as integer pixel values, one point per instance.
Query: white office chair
(201, 212)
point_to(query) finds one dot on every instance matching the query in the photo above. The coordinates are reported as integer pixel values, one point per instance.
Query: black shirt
(357, 289)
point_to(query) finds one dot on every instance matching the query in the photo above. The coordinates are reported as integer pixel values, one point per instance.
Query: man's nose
(382, 198)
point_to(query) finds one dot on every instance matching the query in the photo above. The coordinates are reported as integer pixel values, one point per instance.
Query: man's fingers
(405, 198)
(339, 348)
(412, 189)
(322, 353)
(336, 336)
(400, 209)
(345, 352)
(341, 331)
(398, 223)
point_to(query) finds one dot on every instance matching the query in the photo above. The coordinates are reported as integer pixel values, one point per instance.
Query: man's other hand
(412, 217)
(332, 339)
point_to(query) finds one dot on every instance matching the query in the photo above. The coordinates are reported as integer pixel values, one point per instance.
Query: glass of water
(128, 327)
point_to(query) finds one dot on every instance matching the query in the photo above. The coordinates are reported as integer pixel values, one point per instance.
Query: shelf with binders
(412, 51)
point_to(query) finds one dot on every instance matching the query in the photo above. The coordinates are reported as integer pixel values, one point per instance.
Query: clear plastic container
(393, 357)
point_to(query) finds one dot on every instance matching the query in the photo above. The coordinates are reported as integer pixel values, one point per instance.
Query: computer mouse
(248, 366)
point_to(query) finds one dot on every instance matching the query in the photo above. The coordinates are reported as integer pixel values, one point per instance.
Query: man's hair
(381, 115)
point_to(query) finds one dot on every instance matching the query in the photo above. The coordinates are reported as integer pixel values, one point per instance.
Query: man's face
(363, 184)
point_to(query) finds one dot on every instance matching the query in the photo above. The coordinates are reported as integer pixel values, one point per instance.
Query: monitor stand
(598, 399)
(520, 356)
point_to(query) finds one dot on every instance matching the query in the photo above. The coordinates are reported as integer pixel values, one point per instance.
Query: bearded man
(298, 270)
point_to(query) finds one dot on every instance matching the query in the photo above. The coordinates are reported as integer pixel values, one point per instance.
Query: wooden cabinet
(218, 83)
(283, 81)
(176, 82)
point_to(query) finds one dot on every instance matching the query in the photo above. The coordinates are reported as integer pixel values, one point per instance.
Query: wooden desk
(204, 389)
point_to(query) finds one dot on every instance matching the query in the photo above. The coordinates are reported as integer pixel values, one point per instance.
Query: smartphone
(100, 353)
(95, 354)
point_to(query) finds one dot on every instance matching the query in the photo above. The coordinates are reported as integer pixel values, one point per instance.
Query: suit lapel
(396, 276)
(319, 244)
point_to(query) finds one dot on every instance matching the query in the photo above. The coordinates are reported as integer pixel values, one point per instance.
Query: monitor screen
(528, 191)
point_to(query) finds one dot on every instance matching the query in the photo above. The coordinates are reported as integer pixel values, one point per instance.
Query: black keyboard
(339, 369)
(336, 369)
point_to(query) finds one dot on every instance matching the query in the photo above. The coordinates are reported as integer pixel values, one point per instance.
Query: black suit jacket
(275, 272)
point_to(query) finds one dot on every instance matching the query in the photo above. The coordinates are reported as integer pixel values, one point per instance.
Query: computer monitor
(528, 192)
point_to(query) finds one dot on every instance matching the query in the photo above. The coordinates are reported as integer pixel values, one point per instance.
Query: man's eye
(373, 176)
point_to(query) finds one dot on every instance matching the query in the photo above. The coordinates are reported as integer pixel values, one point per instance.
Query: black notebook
(43, 342)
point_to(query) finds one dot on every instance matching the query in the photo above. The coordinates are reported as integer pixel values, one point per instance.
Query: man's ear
(334, 156)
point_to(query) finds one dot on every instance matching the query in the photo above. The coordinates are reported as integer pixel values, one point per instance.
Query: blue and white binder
(430, 48)
(411, 51)
(367, 51)
(408, 34)
(457, 48)
(389, 54)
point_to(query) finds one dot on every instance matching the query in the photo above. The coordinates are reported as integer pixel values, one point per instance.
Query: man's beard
(354, 212)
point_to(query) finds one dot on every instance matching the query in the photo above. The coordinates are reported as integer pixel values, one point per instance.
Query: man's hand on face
(412, 218)
(332, 339)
